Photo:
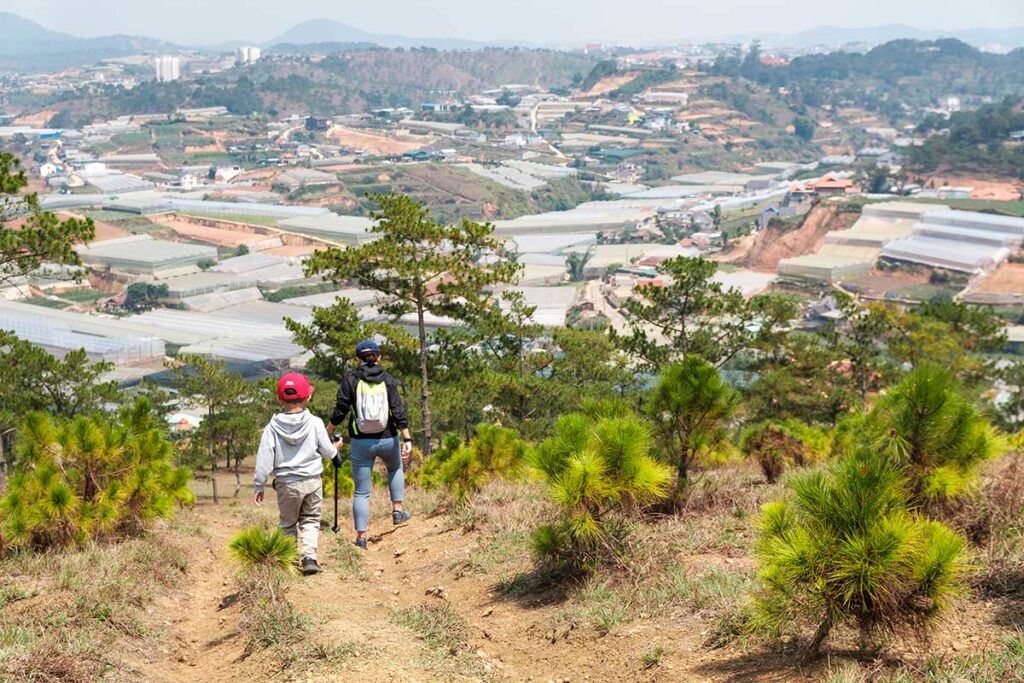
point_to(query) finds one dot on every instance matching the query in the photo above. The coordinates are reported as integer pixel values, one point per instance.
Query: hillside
(330, 31)
(355, 81)
(26, 45)
(897, 73)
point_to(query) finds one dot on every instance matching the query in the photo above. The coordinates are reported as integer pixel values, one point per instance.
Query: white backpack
(372, 410)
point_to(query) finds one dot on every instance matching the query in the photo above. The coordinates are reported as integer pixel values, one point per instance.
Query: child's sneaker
(361, 543)
(400, 517)
(310, 566)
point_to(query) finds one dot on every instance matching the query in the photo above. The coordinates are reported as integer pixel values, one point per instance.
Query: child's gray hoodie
(293, 448)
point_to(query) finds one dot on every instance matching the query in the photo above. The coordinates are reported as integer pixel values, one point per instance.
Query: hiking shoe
(361, 543)
(310, 566)
(400, 517)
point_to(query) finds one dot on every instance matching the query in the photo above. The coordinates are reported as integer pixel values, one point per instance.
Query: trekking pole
(335, 527)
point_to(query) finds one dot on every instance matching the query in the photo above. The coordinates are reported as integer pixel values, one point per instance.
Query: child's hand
(337, 444)
(258, 498)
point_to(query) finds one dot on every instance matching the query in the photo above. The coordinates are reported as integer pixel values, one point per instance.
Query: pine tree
(694, 314)
(421, 267)
(848, 549)
(691, 407)
(926, 423)
(89, 478)
(595, 472)
(42, 237)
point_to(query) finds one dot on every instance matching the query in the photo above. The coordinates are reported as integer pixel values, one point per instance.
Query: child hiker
(377, 420)
(292, 449)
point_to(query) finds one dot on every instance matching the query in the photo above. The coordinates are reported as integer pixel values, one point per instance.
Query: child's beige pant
(298, 503)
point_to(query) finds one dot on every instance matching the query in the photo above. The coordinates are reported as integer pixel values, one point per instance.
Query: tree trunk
(238, 476)
(3, 461)
(425, 381)
(819, 637)
(682, 477)
(209, 450)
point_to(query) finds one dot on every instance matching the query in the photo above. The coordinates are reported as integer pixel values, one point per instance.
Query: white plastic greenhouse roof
(143, 250)
(981, 221)
(243, 208)
(61, 337)
(551, 243)
(204, 303)
(951, 232)
(358, 297)
(943, 253)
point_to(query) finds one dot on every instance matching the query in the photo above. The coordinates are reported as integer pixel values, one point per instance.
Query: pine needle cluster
(463, 469)
(595, 470)
(89, 478)
(850, 549)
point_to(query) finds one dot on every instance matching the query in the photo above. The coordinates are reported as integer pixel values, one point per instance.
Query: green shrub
(926, 423)
(595, 470)
(258, 549)
(462, 470)
(428, 473)
(691, 406)
(848, 549)
(89, 478)
(781, 445)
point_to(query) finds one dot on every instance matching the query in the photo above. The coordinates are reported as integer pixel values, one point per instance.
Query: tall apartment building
(167, 68)
(247, 55)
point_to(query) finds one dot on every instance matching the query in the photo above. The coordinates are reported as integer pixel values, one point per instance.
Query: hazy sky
(540, 21)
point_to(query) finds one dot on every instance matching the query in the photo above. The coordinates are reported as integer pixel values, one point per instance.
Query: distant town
(205, 212)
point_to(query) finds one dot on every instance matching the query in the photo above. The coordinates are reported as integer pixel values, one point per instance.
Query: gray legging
(364, 452)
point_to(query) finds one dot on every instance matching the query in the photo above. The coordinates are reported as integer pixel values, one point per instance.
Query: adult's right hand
(257, 498)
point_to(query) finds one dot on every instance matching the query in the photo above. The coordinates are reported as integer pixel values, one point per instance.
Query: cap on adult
(294, 387)
(367, 346)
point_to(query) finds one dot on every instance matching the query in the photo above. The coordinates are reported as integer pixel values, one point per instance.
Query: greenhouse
(144, 255)
(60, 339)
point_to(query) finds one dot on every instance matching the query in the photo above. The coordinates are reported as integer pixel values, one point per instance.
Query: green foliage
(780, 445)
(462, 470)
(42, 237)
(804, 128)
(421, 267)
(848, 549)
(66, 387)
(257, 548)
(335, 330)
(576, 263)
(234, 411)
(691, 407)
(139, 296)
(926, 423)
(89, 478)
(595, 471)
(601, 70)
(694, 314)
(977, 140)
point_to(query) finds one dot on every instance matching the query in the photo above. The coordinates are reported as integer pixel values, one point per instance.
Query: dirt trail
(204, 641)
(508, 639)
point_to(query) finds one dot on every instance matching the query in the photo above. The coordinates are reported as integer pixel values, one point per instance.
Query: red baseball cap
(293, 387)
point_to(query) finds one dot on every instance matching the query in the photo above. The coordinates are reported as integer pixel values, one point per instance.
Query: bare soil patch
(776, 242)
(1007, 279)
(376, 144)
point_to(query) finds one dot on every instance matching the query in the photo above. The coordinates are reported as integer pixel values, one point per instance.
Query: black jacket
(345, 405)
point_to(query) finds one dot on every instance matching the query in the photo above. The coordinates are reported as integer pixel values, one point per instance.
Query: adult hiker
(377, 418)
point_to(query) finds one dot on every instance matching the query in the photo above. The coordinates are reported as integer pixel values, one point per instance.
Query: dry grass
(66, 613)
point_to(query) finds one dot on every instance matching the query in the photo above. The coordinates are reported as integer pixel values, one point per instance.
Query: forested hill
(352, 81)
(978, 140)
(899, 72)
